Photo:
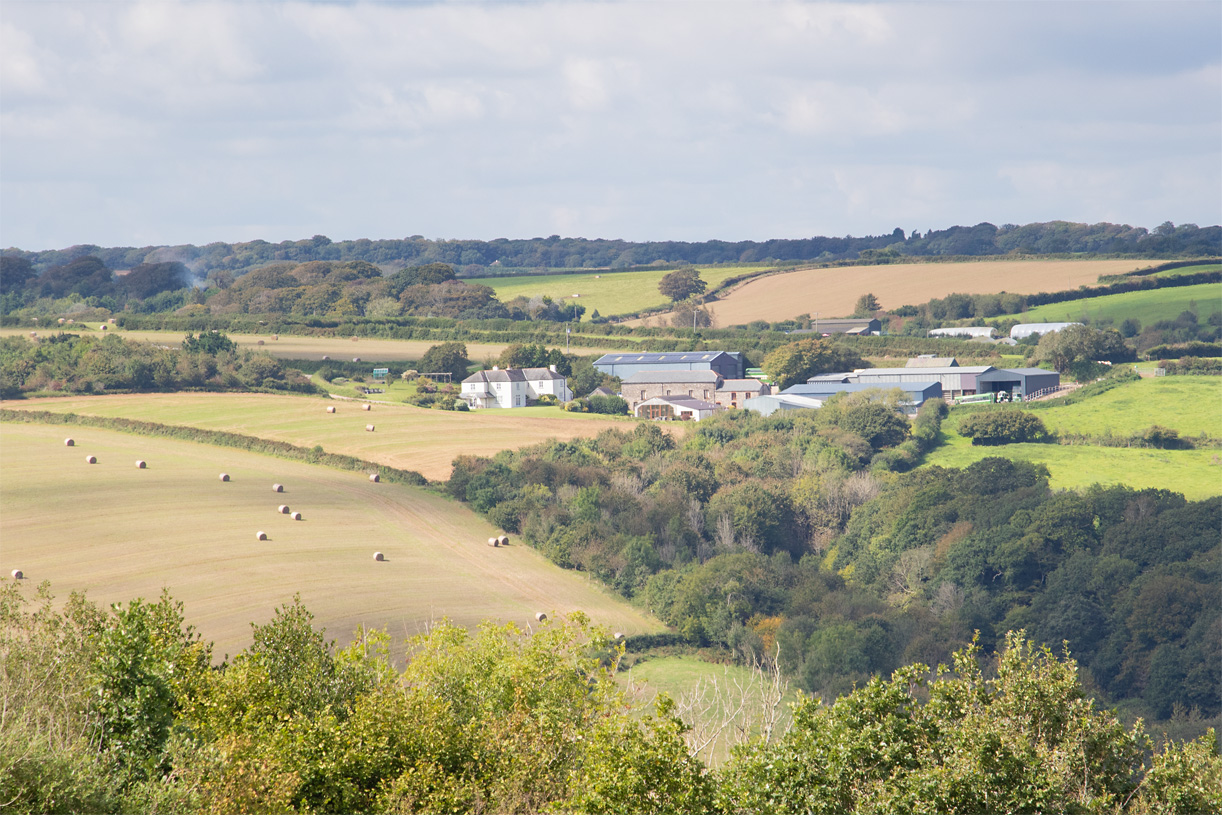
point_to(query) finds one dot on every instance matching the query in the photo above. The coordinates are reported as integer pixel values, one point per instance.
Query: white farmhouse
(513, 387)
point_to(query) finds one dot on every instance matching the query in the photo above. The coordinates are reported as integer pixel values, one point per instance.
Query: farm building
(930, 361)
(513, 387)
(650, 384)
(1022, 330)
(601, 391)
(985, 331)
(859, 326)
(955, 380)
(771, 403)
(731, 393)
(915, 393)
(726, 364)
(679, 408)
(1021, 382)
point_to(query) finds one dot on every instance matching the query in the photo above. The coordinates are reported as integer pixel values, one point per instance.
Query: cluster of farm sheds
(281, 509)
(693, 385)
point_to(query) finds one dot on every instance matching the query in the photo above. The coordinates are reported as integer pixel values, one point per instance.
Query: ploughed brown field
(834, 292)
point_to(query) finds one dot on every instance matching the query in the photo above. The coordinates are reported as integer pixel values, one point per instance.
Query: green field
(1147, 307)
(119, 532)
(1195, 473)
(406, 437)
(1190, 404)
(1183, 270)
(608, 293)
(682, 678)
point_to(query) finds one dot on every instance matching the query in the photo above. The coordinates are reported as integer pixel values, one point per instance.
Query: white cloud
(638, 120)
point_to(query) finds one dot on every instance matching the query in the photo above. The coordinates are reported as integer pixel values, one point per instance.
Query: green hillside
(1145, 306)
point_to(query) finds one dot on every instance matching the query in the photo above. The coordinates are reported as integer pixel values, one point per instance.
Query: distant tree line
(474, 256)
(70, 363)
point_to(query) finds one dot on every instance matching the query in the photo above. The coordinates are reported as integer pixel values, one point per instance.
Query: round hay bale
(540, 616)
(275, 336)
(260, 342)
(91, 459)
(325, 358)
(369, 427)
(18, 574)
(296, 516)
(277, 488)
(61, 320)
(331, 409)
(619, 635)
(284, 509)
(71, 322)
(374, 477)
(262, 536)
(492, 541)
(378, 556)
(69, 443)
(354, 339)
(33, 333)
(356, 359)
(111, 321)
(503, 540)
(367, 407)
(103, 326)
(140, 465)
(224, 476)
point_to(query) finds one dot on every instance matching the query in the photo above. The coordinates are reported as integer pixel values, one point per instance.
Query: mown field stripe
(253, 444)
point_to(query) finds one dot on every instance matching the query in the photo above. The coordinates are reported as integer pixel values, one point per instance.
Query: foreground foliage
(123, 712)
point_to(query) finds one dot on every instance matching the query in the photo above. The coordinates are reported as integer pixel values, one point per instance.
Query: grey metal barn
(726, 364)
(1021, 382)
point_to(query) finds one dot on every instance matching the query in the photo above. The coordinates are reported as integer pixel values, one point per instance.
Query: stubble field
(834, 292)
(405, 437)
(118, 532)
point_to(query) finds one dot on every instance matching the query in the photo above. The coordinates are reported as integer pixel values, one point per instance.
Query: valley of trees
(808, 533)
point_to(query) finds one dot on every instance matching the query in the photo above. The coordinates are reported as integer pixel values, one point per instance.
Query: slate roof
(665, 377)
(660, 357)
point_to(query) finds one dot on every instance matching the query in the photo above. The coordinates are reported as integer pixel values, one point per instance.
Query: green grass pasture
(609, 293)
(680, 676)
(1148, 307)
(118, 532)
(1183, 270)
(1195, 473)
(1190, 404)
(406, 437)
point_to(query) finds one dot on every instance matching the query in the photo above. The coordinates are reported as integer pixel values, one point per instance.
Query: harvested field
(290, 347)
(408, 437)
(833, 292)
(131, 533)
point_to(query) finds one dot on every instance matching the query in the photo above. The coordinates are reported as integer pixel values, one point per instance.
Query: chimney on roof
(496, 367)
(552, 368)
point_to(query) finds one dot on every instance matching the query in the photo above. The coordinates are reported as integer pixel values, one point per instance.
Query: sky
(171, 122)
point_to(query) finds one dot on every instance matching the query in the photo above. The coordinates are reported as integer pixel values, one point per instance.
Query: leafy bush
(1003, 427)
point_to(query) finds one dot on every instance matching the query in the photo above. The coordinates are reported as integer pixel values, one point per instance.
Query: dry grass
(130, 534)
(337, 348)
(408, 437)
(834, 292)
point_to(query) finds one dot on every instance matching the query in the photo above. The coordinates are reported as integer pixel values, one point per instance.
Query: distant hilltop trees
(476, 258)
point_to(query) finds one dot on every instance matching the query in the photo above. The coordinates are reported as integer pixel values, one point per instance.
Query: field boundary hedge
(219, 438)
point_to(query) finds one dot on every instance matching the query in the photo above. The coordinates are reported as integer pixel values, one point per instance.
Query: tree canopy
(681, 284)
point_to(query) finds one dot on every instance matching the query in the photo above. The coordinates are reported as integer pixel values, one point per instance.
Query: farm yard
(120, 532)
(406, 437)
(833, 292)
